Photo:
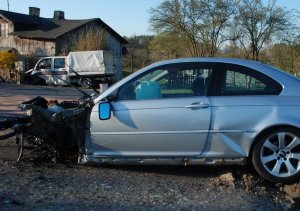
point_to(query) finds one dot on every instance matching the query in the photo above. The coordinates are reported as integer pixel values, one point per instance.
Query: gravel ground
(74, 187)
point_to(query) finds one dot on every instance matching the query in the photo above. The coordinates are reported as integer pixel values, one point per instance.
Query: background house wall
(24, 46)
(38, 48)
(116, 48)
(34, 37)
(6, 27)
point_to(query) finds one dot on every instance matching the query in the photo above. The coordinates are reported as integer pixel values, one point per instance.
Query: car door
(159, 113)
(243, 100)
(43, 70)
(59, 71)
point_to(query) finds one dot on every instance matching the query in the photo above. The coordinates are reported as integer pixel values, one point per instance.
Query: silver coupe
(196, 111)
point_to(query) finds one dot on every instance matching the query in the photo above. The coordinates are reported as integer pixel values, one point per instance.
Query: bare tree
(167, 46)
(138, 54)
(202, 24)
(256, 24)
(90, 39)
(285, 55)
(87, 39)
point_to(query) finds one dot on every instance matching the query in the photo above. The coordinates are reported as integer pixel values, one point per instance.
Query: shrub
(7, 64)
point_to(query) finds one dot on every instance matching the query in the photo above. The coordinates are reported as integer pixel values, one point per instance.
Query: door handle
(198, 105)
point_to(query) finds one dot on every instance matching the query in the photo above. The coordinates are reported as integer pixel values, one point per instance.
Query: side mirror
(104, 111)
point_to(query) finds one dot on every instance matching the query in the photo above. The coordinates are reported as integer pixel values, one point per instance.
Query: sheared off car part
(51, 130)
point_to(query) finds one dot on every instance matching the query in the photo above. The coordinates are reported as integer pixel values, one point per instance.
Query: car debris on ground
(52, 129)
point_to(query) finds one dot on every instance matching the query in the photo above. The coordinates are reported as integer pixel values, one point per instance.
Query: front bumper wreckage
(50, 130)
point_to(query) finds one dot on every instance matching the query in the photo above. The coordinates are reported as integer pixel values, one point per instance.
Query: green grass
(176, 91)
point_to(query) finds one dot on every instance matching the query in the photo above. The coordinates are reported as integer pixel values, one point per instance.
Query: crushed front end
(51, 130)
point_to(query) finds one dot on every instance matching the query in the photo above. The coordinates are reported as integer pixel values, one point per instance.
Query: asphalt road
(11, 95)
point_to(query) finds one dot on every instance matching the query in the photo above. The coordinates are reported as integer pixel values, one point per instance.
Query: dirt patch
(293, 190)
(71, 186)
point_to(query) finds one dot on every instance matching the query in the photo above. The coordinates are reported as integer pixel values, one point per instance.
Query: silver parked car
(194, 111)
(201, 111)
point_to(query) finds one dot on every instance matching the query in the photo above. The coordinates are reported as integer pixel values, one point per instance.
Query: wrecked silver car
(200, 111)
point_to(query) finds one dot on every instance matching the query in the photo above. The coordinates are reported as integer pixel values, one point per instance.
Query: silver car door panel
(236, 122)
(152, 128)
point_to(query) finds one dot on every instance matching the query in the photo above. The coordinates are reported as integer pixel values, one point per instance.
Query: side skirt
(165, 161)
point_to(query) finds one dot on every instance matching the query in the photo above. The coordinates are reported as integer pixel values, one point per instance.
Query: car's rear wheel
(276, 155)
(85, 83)
(38, 81)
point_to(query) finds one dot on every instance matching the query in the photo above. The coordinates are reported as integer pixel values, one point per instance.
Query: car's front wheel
(276, 155)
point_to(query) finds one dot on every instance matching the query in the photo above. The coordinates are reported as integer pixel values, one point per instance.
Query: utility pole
(7, 5)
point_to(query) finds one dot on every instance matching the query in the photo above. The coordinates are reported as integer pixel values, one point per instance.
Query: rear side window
(59, 63)
(239, 80)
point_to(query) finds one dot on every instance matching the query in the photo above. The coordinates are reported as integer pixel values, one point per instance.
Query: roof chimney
(58, 15)
(34, 11)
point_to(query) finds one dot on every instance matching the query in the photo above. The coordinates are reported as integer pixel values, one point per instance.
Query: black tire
(85, 83)
(38, 81)
(276, 155)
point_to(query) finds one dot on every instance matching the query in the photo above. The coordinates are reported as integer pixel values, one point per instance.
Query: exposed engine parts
(50, 130)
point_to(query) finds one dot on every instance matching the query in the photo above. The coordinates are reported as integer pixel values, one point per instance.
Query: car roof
(290, 83)
(257, 65)
(209, 59)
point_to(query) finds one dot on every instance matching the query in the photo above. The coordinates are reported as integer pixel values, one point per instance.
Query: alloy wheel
(280, 154)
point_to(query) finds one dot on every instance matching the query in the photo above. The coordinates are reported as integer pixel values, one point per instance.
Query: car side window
(59, 63)
(167, 81)
(238, 80)
(44, 64)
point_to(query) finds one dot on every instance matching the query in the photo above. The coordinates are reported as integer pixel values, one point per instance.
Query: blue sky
(127, 17)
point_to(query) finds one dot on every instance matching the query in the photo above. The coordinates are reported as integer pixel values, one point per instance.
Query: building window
(4, 30)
